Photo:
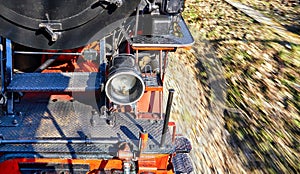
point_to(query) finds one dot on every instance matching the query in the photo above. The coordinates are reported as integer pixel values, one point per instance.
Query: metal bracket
(2, 64)
(50, 28)
(127, 37)
(90, 54)
(118, 3)
(11, 120)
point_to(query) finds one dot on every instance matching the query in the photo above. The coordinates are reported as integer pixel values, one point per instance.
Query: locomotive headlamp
(173, 6)
(124, 85)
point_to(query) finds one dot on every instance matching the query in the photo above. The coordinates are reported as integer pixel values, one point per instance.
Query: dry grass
(250, 121)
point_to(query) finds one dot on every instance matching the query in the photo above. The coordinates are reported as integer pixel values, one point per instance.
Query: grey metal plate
(55, 82)
(62, 120)
(129, 128)
(183, 38)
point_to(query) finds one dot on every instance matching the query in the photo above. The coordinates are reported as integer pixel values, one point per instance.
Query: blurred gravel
(196, 116)
(237, 94)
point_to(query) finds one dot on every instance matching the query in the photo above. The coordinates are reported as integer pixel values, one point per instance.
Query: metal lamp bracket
(51, 29)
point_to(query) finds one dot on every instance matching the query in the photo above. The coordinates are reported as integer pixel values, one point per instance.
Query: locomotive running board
(180, 38)
(78, 127)
(55, 82)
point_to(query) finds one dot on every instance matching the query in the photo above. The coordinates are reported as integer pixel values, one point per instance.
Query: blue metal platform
(55, 82)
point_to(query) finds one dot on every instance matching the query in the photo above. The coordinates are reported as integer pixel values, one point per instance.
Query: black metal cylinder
(167, 117)
(61, 24)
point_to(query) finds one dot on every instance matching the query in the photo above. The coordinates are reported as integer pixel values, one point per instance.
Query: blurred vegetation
(285, 12)
(262, 72)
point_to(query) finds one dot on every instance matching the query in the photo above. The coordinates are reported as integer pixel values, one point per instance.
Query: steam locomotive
(82, 86)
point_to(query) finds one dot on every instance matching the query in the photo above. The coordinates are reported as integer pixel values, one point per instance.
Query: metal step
(183, 145)
(182, 163)
(55, 82)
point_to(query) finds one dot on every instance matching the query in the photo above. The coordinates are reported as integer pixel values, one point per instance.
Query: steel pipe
(167, 117)
(47, 53)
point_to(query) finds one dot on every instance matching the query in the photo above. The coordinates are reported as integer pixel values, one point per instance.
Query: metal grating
(129, 129)
(182, 163)
(55, 82)
(65, 120)
(57, 120)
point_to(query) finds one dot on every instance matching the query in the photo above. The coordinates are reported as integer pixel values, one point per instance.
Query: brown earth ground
(237, 90)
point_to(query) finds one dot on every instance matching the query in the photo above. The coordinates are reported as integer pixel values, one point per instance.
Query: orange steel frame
(155, 163)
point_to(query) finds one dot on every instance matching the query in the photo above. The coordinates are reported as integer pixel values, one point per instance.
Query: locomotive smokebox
(124, 84)
(61, 24)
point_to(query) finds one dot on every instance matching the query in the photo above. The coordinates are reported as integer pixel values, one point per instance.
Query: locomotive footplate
(179, 36)
(75, 129)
